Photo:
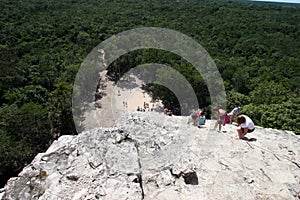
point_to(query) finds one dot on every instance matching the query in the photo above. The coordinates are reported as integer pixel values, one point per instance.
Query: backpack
(201, 120)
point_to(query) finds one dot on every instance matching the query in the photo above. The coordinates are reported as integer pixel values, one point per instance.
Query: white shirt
(248, 123)
(235, 111)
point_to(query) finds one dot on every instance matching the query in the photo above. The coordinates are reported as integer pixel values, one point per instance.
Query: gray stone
(151, 156)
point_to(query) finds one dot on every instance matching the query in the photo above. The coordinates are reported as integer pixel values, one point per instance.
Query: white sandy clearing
(119, 99)
(131, 99)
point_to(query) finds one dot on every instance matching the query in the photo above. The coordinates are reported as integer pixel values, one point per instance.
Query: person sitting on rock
(196, 116)
(166, 110)
(221, 116)
(245, 125)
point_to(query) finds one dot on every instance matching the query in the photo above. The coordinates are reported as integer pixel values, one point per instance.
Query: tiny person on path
(245, 124)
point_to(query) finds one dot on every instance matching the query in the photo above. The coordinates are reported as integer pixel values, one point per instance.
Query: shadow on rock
(249, 139)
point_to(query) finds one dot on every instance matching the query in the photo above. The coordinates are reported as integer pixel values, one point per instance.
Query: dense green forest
(256, 47)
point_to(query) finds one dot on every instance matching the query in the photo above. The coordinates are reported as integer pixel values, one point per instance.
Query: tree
(269, 92)
(24, 131)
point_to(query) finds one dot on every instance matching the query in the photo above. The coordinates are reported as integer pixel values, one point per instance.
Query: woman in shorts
(245, 124)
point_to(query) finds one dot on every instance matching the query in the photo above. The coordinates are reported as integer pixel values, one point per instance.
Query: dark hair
(236, 104)
(240, 119)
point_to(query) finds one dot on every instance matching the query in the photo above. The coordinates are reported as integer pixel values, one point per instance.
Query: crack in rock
(139, 178)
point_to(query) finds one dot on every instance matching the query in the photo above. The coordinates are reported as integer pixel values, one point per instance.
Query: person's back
(245, 124)
(248, 123)
(235, 111)
(222, 112)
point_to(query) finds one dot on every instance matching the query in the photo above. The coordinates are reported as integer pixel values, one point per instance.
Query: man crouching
(245, 124)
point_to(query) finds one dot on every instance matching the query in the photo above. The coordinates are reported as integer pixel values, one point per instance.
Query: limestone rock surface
(153, 156)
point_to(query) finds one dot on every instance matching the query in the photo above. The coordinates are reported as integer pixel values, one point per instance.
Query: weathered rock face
(152, 156)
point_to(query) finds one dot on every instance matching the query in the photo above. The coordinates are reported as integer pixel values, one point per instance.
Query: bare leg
(196, 121)
(231, 119)
(241, 134)
(216, 124)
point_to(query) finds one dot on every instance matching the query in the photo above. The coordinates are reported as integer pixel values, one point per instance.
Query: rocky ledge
(153, 156)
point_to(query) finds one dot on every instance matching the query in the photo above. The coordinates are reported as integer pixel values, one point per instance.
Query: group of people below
(145, 108)
(244, 123)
